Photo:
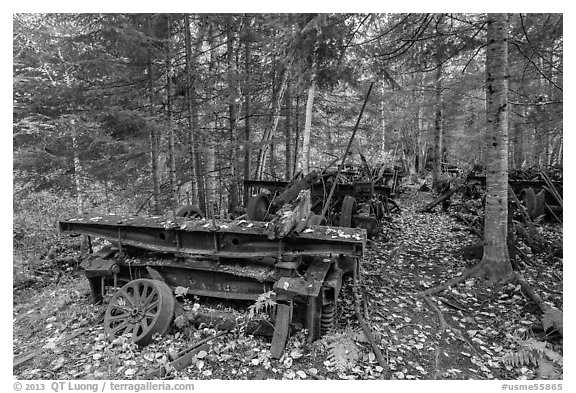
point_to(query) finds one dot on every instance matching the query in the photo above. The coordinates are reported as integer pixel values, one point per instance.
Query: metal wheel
(257, 208)
(328, 318)
(348, 209)
(142, 307)
(189, 212)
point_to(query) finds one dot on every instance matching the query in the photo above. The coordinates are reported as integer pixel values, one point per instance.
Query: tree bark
(383, 127)
(419, 164)
(289, 156)
(191, 105)
(496, 261)
(78, 170)
(437, 155)
(297, 136)
(247, 107)
(210, 176)
(154, 137)
(170, 125)
(519, 144)
(232, 116)
(305, 163)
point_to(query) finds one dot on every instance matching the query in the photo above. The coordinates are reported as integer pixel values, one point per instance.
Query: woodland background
(141, 113)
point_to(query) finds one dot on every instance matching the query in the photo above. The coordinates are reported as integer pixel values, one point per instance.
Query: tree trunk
(154, 137)
(171, 136)
(191, 105)
(297, 136)
(305, 162)
(496, 260)
(210, 176)
(437, 155)
(559, 154)
(247, 107)
(519, 143)
(78, 172)
(289, 156)
(383, 129)
(419, 164)
(232, 117)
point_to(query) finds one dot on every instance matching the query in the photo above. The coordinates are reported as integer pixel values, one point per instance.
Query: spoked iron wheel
(348, 210)
(142, 307)
(257, 208)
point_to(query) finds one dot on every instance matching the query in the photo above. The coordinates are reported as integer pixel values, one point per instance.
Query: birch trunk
(496, 260)
(308, 127)
(78, 170)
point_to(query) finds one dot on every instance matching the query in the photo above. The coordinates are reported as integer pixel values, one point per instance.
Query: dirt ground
(414, 251)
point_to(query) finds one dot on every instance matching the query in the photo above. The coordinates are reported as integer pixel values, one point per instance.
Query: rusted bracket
(283, 314)
(310, 284)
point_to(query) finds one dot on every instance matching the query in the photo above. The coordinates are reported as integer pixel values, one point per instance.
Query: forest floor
(415, 251)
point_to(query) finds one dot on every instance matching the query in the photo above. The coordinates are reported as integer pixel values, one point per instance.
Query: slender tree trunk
(211, 186)
(191, 105)
(559, 160)
(232, 116)
(78, 170)
(308, 125)
(496, 260)
(271, 155)
(171, 136)
(289, 156)
(383, 129)
(297, 136)
(437, 157)
(518, 144)
(419, 154)
(154, 137)
(247, 109)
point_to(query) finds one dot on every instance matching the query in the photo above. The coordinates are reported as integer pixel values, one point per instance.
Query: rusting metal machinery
(217, 258)
(538, 193)
(360, 198)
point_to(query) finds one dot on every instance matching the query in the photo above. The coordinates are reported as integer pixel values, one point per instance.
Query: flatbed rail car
(215, 258)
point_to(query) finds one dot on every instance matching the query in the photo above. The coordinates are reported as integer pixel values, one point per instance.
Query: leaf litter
(426, 244)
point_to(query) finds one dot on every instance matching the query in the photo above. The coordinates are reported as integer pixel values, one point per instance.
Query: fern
(263, 305)
(357, 334)
(343, 352)
(538, 353)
